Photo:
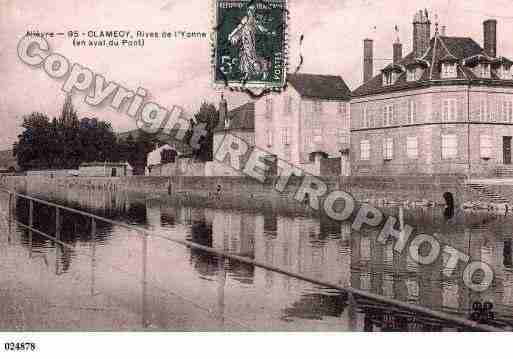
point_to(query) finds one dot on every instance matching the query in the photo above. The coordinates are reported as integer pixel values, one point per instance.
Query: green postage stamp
(250, 43)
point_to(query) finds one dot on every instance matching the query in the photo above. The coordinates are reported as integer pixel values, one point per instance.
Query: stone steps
(505, 171)
(487, 193)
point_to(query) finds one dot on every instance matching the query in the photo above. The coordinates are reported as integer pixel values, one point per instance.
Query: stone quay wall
(403, 189)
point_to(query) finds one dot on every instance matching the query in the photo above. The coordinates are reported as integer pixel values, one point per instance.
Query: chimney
(490, 37)
(398, 51)
(421, 33)
(223, 110)
(368, 58)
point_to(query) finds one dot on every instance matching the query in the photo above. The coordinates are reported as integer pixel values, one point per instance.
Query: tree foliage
(205, 119)
(64, 143)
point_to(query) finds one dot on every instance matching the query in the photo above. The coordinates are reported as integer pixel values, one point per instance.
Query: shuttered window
(388, 148)
(412, 147)
(449, 147)
(485, 144)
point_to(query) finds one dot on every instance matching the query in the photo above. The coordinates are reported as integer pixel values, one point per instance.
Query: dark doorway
(506, 149)
(449, 205)
(113, 172)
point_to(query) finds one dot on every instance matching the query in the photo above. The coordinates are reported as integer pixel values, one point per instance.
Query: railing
(353, 293)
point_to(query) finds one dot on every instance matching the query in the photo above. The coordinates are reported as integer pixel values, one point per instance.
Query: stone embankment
(404, 190)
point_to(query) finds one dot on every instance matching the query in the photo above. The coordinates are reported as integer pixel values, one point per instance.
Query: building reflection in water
(317, 247)
(330, 251)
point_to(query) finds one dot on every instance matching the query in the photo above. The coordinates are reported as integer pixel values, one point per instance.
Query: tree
(65, 142)
(33, 142)
(208, 118)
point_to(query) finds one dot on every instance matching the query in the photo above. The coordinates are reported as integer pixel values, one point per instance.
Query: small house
(105, 169)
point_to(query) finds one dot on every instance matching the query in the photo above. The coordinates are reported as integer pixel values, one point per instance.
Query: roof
(160, 137)
(442, 48)
(240, 118)
(324, 87)
(105, 164)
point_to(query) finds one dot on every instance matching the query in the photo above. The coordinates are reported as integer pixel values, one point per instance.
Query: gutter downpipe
(469, 172)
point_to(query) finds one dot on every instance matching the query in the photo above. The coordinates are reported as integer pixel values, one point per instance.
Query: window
(285, 136)
(506, 111)
(317, 135)
(287, 106)
(448, 70)
(412, 112)
(341, 109)
(449, 110)
(414, 74)
(486, 146)
(504, 72)
(342, 135)
(388, 78)
(388, 115)
(269, 138)
(315, 122)
(388, 149)
(449, 146)
(308, 141)
(318, 107)
(268, 108)
(365, 150)
(412, 150)
(482, 112)
(410, 75)
(365, 117)
(484, 70)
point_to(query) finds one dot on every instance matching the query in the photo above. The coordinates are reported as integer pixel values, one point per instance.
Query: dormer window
(415, 69)
(504, 72)
(414, 73)
(503, 68)
(448, 70)
(483, 70)
(480, 64)
(390, 77)
(387, 79)
(391, 74)
(410, 75)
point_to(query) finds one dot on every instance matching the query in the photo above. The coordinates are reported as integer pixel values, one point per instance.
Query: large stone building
(446, 107)
(307, 124)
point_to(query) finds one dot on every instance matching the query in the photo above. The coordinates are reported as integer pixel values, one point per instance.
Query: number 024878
(20, 346)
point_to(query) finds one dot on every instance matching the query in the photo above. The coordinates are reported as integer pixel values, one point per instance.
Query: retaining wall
(395, 189)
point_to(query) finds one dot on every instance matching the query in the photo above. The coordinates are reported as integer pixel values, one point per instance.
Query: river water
(111, 278)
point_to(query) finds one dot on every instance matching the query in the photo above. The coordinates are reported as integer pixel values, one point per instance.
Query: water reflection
(316, 247)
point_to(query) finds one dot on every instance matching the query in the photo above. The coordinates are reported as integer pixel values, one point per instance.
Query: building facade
(105, 169)
(307, 124)
(239, 122)
(446, 107)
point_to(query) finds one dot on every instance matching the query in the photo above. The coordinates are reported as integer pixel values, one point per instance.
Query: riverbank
(380, 191)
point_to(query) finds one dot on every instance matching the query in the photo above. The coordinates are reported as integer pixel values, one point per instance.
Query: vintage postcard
(254, 166)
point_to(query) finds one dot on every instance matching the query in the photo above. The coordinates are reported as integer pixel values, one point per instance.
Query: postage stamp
(250, 43)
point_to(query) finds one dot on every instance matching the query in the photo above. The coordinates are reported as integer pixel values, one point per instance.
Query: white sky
(178, 71)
